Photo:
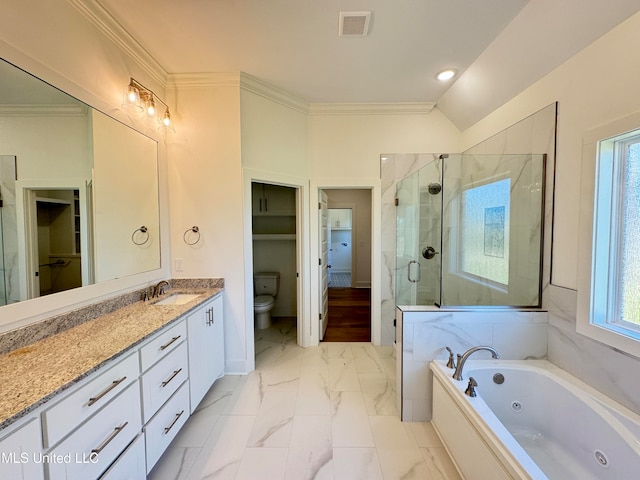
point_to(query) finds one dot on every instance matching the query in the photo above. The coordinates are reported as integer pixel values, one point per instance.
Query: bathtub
(539, 423)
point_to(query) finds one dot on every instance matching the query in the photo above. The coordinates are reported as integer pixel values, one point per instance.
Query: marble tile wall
(516, 335)
(534, 134)
(606, 369)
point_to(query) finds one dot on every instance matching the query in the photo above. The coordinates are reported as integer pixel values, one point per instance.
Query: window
(485, 231)
(615, 279)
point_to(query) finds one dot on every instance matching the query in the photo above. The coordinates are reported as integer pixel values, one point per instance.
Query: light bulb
(167, 118)
(151, 106)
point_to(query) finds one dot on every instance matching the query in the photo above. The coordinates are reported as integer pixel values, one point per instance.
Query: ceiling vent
(354, 24)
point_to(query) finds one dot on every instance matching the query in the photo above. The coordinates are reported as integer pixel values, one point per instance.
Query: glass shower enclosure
(469, 232)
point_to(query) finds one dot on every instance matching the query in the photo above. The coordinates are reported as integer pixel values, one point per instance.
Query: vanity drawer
(130, 465)
(162, 345)
(75, 408)
(99, 441)
(21, 452)
(166, 424)
(159, 383)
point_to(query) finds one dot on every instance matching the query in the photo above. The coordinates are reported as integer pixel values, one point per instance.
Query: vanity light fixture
(139, 97)
(447, 74)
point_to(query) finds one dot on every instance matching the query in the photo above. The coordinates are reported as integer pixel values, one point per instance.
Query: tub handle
(451, 363)
(471, 388)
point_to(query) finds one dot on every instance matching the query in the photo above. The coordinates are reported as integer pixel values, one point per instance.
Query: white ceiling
(294, 44)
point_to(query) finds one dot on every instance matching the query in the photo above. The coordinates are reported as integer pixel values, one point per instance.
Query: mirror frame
(31, 311)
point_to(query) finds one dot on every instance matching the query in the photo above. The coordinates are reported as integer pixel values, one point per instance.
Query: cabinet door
(257, 198)
(206, 349)
(279, 200)
(22, 453)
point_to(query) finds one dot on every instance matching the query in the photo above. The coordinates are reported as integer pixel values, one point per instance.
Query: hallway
(349, 315)
(325, 412)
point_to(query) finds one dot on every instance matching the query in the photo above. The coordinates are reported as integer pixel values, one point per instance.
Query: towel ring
(144, 230)
(195, 230)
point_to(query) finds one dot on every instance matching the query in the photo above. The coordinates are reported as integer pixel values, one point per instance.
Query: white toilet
(265, 285)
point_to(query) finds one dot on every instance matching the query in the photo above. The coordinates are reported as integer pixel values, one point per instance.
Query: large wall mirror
(78, 192)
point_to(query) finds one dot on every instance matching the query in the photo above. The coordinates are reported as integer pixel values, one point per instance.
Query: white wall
(205, 184)
(593, 88)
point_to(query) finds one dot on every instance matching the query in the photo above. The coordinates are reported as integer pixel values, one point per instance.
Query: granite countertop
(32, 375)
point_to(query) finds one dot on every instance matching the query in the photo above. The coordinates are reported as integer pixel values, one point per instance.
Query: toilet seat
(263, 301)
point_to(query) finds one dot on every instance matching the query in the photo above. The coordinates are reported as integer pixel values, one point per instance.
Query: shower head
(443, 156)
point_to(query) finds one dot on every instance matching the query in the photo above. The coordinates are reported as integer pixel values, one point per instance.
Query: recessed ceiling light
(447, 74)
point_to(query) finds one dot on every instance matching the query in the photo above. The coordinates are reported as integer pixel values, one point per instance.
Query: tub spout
(457, 375)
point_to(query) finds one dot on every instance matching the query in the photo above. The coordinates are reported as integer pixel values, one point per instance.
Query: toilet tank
(266, 283)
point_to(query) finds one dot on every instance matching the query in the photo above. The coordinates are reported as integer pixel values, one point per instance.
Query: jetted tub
(532, 420)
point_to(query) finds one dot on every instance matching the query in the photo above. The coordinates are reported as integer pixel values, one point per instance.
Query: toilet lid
(262, 300)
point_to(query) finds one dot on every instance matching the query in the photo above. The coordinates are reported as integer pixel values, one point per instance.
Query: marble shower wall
(534, 134)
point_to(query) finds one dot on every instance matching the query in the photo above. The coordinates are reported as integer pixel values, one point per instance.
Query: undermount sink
(178, 299)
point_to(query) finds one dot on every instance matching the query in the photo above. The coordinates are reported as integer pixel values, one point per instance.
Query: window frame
(600, 236)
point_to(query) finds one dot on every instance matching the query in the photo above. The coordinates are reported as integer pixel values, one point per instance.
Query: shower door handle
(409, 271)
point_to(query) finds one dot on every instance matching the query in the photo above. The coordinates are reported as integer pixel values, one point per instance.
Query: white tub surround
(424, 332)
(535, 422)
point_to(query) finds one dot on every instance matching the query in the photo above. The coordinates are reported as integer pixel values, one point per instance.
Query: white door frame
(27, 230)
(302, 256)
(373, 184)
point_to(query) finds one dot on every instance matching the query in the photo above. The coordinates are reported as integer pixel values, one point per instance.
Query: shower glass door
(407, 217)
(418, 237)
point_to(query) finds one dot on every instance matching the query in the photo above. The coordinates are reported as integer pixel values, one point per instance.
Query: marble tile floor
(326, 412)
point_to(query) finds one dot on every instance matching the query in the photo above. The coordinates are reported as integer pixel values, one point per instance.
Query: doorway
(275, 256)
(55, 249)
(348, 295)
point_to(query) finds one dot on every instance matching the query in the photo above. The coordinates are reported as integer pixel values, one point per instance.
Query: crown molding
(107, 24)
(43, 110)
(259, 87)
(197, 80)
(406, 108)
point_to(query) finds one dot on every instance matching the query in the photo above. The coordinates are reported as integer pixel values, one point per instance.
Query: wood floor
(349, 315)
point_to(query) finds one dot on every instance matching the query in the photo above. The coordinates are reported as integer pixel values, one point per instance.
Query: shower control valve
(429, 252)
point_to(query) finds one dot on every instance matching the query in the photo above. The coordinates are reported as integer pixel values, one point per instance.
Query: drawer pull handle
(166, 345)
(113, 385)
(178, 415)
(173, 375)
(108, 440)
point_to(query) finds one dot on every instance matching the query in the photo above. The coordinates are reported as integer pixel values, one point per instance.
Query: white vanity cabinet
(21, 452)
(99, 441)
(130, 465)
(165, 389)
(89, 398)
(206, 348)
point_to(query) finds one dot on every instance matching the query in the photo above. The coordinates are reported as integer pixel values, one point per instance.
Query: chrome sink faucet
(159, 288)
(457, 375)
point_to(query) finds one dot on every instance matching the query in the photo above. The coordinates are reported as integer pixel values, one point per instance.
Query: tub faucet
(159, 288)
(457, 375)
